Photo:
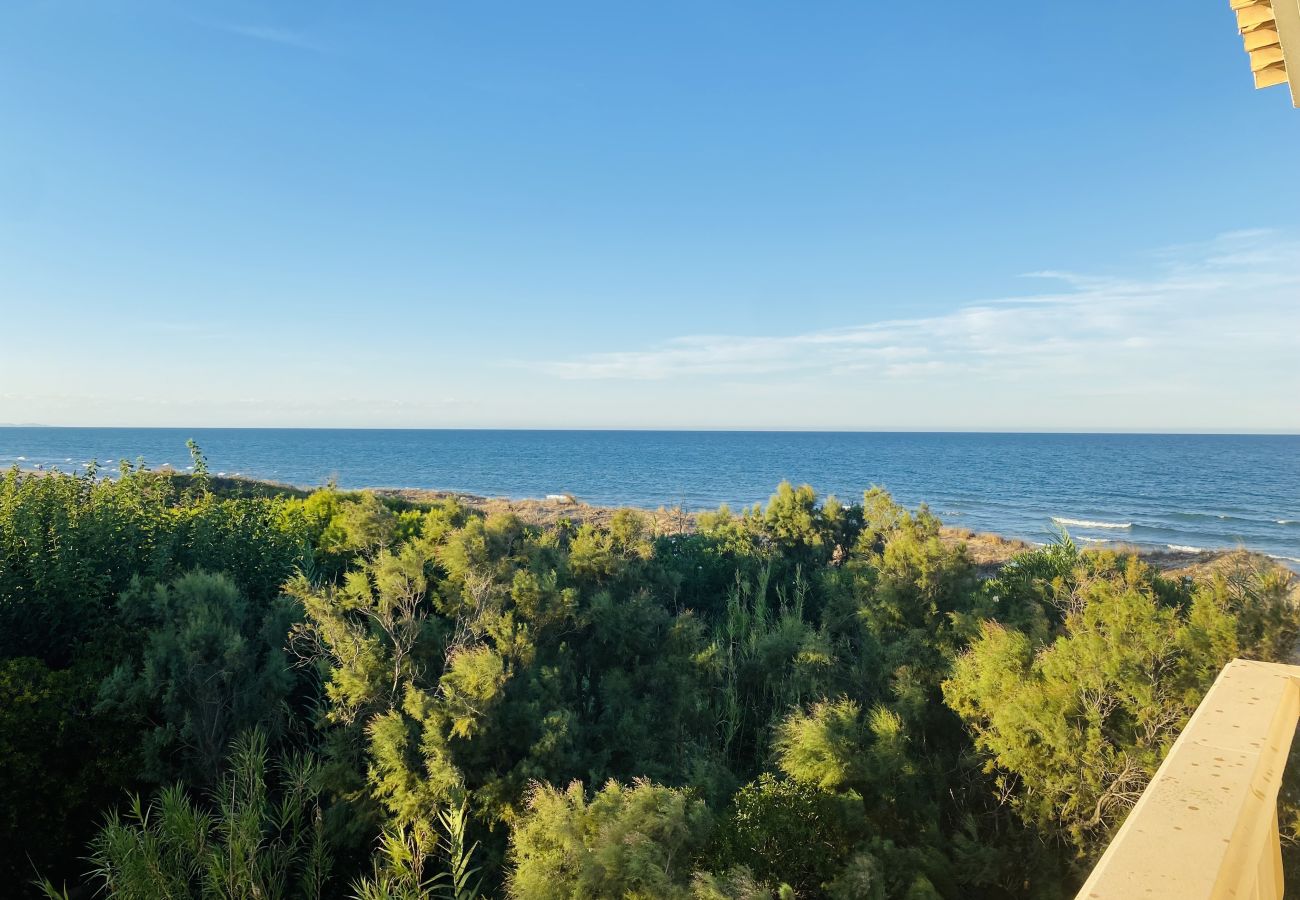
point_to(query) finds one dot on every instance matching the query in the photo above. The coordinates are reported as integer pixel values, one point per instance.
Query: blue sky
(694, 214)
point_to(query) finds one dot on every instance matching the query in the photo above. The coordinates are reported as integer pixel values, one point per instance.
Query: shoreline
(988, 550)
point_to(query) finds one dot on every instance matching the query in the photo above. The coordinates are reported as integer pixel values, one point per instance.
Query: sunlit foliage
(807, 698)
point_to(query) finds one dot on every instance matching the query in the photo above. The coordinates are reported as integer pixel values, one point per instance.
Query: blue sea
(1174, 491)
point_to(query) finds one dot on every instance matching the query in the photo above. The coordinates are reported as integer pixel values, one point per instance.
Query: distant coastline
(1182, 494)
(988, 550)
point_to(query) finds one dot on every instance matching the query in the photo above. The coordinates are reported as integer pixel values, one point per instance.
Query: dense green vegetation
(217, 693)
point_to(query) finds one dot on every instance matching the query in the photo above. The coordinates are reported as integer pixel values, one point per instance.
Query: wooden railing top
(1206, 826)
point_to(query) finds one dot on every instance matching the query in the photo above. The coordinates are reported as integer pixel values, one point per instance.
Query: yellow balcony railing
(1206, 826)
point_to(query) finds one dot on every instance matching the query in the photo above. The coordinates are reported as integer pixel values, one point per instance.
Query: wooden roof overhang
(1270, 31)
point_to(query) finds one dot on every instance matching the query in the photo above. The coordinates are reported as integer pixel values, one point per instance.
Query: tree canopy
(210, 689)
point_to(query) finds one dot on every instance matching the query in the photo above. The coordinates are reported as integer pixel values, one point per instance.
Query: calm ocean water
(1160, 490)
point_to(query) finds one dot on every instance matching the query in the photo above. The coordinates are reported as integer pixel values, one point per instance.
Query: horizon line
(1172, 432)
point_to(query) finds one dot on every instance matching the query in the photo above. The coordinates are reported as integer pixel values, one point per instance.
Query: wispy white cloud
(271, 35)
(1239, 292)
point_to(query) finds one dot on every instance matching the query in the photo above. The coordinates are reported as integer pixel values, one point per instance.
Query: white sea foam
(1087, 523)
(1185, 548)
(1294, 559)
(1288, 522)
(1092, 540)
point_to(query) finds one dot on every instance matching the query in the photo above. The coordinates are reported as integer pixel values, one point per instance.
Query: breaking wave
(1087, 523)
